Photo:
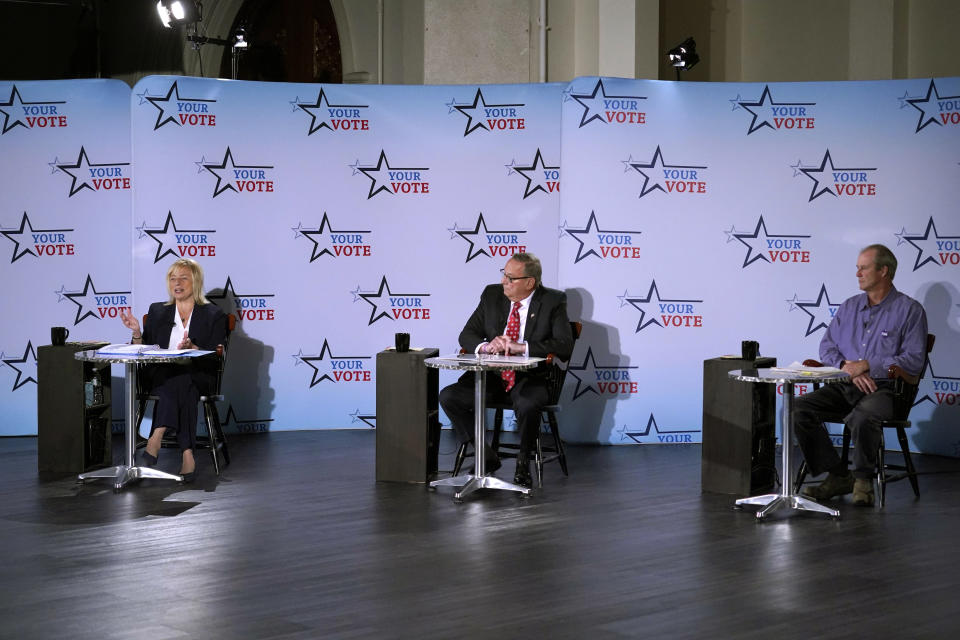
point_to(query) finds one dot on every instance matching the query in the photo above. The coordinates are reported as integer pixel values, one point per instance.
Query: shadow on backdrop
(940, 433)
(589, 416)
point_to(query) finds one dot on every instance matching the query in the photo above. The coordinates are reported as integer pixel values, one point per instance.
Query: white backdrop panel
(695, 216)
(64, 225)
(339, 216)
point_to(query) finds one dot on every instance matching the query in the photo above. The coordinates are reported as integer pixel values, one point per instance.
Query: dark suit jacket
(547, 330)
(208, 328)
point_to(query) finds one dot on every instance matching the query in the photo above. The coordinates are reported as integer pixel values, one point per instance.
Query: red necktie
(513, 332)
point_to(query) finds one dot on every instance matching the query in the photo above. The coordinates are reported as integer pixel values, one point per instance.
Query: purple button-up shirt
(892, 332)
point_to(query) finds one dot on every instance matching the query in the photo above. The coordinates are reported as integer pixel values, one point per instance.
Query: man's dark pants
(863, 415)
(528, 397)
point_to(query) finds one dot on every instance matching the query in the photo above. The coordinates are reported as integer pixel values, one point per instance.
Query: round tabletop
(114, 358)
(476, 362)
(781, 376)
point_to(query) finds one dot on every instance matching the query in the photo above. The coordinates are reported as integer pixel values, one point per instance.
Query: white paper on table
(493, 359)
(191, 353)
(798, 368)
(124, 349)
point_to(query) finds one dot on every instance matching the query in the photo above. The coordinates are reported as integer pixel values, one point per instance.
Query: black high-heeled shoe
(149, 459)
(189, 477)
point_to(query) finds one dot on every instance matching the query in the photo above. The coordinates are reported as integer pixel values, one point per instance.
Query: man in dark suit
(519, 316)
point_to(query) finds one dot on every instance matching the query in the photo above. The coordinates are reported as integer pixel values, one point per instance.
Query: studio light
(174, 12)
(239, 39)
(684, 55)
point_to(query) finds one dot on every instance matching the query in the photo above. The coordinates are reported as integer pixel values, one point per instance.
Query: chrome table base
(470, 482)
(128, 472)
(122, 474)
(771, 502)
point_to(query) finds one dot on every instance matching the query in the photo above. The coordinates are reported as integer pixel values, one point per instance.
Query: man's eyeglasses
(513, 279)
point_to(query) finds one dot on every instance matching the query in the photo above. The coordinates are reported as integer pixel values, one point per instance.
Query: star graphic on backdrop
(13, 106)
(143, 96)
(223, 166)
(793, 302)
(593, 106)
(215, 170)
(477, 237)
(903, 100)
(454, 230)
(86, 300)
(766, 102)
(590, 243)
(316, 109)
(535, 182)
(326, 353)
(799, 167)
(753, 252)
(82, 167)
(167, 108)
(228, 296)
(325, 229)
(167, 105)
(822, 169)
(654, 167)
(309, 360)
(730, 233)
(820, 312)
(370, 420)
(231, 417)
(586, 373)
(734, 103)
(374, 300)
(27, 369)
(476, 110)
(379, 173)
(651, 424)
(25, 224)
(930, 376)
(927, 105)
(381, 300)
(637, 303)
(166, 238)
(925, 244)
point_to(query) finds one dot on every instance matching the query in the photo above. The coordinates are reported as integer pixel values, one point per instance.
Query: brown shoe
(863, 492)
(834, 485)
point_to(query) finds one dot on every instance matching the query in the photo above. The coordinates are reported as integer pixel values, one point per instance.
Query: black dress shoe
(149, 459)
(189, 477)
(522, 474)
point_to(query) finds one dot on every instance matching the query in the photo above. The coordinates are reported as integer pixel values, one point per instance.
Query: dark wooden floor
(296, 540)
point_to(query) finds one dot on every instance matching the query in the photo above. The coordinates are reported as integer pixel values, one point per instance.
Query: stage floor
(296, 540)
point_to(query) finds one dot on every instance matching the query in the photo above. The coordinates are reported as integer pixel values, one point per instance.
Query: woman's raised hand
(129, 321)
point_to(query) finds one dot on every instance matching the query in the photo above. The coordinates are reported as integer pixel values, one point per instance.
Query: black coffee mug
(402, 342)
(750, 349)
(59, 335)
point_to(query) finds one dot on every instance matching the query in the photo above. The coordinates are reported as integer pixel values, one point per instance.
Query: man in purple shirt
(870, 331)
